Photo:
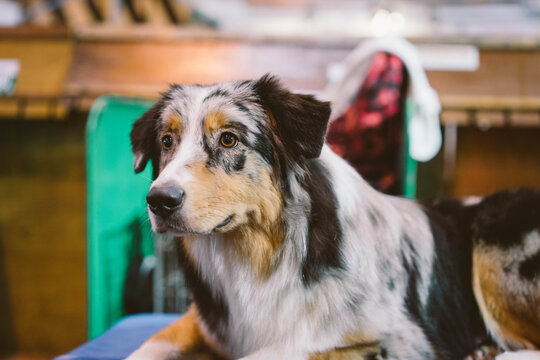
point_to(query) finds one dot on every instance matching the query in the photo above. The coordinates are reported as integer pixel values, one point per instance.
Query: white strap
(424, 130)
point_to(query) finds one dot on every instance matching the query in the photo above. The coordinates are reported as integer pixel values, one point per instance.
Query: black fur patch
(264, 147)
(236, 164)
(213, 309)
(144, 138)
(530, 268)
(325, 234)
(451, 318)
(173, 88)
(243, 108)
(374, 217)
(216, 157)
(301, 120)
(217, 93)
(412, 299)
(504, 217)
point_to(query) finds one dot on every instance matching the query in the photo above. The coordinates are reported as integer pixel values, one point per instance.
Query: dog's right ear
(144, 139)
(301, 120)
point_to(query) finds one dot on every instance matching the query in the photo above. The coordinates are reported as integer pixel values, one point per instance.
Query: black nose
(163, 201)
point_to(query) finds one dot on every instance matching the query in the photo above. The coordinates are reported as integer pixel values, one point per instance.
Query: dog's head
(220, 153)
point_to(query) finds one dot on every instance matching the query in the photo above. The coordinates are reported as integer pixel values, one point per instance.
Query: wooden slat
(77, 14)
(135, 10)
(490, 102)
(103, 8)
(34, 107)
(154, 11)
(95, 10)
(44, 16)
(182, 12)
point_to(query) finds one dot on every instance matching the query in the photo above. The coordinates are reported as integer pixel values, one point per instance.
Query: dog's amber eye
(167, 142)
(228, 140)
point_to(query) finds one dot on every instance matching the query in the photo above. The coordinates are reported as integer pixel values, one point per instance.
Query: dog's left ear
(301, 120)
(144, 139)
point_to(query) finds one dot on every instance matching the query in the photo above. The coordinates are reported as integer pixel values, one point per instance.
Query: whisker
(147, 178)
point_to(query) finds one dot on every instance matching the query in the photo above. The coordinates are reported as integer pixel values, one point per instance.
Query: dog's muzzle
(163, 201)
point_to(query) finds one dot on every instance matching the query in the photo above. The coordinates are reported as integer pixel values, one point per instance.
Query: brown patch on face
(369, 351)
(173, 123)
(255, 207)
(508, 310)
(214, 120)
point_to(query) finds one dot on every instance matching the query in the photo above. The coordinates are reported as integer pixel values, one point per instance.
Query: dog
(290, 254)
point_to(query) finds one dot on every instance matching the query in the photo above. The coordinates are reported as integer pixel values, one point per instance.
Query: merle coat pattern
(290, 254)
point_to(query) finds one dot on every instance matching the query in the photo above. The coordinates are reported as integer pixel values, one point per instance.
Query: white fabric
(424, 131)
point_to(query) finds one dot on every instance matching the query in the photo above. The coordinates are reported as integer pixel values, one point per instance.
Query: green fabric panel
(117, 222)
(410, 167)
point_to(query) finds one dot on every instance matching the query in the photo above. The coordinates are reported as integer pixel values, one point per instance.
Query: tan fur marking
(215, 120)
(271, 118)
(187, 242)
(356, 352)
(513, 318)
(184, 332)
(255, 206)
(174, 123)
(257, 245)
(358, 338)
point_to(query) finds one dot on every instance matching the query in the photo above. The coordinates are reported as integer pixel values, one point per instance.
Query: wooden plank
(143, 68)
(163, 60)
(44, 67)
(44, 63)
(496, 159)
(27, 31)
(501, 74)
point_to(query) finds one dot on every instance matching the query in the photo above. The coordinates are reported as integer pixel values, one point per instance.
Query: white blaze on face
(190, 150)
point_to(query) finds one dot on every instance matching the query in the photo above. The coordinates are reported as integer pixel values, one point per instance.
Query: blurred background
(57, 57)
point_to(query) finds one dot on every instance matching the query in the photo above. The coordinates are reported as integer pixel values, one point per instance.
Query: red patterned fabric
(369, 134)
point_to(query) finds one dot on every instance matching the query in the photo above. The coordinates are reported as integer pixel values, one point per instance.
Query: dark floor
(25, 357)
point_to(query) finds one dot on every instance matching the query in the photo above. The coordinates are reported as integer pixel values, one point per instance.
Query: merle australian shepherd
(290, 254)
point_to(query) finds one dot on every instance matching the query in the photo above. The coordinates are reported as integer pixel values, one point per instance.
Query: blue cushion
(121, 339)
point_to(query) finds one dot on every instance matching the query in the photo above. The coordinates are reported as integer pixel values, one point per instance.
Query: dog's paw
(486, 352)
(519, 355)
(156, 350)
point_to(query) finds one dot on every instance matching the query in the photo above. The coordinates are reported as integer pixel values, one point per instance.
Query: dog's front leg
(181, 340)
